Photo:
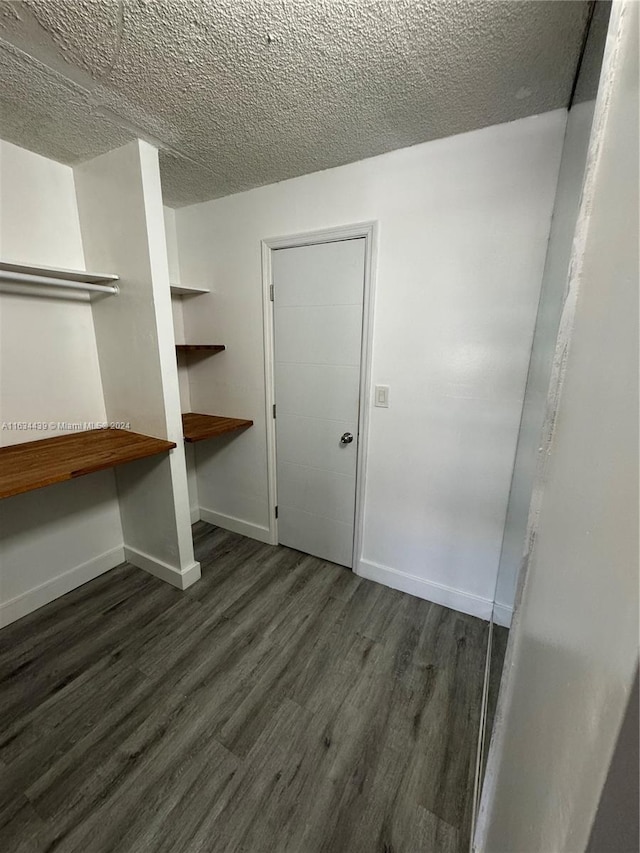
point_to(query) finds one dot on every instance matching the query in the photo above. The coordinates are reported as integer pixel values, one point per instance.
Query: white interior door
(318, 304)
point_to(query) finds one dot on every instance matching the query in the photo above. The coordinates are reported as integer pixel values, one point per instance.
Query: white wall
(463, 223)
(554, 291)
(176, 303)
(55, 538)
(574, 646)
(171, 237)
(175, 277)
(49, 360)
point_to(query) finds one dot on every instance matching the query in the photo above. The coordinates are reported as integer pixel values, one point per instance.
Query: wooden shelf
(57, 272)
(34, 464)
(184, 290)
(197, 427)
(212, 348)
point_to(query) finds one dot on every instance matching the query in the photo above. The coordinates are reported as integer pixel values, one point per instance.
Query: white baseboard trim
(195, 514)
(158, 568)
(447, 596)
(502, 614)
(37, 597)
(236, 525)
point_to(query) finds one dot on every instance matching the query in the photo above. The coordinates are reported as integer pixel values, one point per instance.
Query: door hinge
(276, 512)
(274, 410)
(271, 292)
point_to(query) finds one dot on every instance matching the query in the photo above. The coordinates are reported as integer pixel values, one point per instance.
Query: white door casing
(318, 313)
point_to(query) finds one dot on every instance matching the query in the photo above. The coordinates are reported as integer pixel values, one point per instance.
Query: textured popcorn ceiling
(239, 93)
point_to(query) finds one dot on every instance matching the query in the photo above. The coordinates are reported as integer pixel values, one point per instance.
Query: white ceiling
(240, 93)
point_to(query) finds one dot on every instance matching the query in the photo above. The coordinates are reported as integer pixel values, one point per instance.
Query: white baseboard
(236, 525)
(158, 568)
(447, 596)
(195, 514)
(37, 597)
(502, 614)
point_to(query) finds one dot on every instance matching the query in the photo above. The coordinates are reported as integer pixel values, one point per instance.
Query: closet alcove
(128, 447)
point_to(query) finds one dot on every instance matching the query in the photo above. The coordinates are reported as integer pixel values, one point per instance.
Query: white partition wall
(550, 307)
(573, 653)
(121, 217)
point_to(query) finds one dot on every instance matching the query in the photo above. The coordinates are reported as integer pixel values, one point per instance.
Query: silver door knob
(347, 438)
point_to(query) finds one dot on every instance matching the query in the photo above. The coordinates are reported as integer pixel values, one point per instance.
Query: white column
(121, 216)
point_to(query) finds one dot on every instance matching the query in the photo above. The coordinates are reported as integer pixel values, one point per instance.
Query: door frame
(368, 231)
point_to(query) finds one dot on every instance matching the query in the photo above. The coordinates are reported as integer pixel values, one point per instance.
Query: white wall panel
(54, 539)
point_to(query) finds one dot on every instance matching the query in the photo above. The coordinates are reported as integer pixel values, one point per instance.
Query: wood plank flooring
(280, 704)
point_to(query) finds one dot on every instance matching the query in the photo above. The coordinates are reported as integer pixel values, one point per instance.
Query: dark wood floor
(280, 704)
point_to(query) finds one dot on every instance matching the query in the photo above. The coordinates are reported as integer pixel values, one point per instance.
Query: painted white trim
(162, 570)
(502, 614)
(236, 525)
(438, 593)
(195, 514)
(269, 388)
(43, 594)
(364, 414)
(368, 231)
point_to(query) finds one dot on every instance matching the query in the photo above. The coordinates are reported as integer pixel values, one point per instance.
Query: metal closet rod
(68, 284)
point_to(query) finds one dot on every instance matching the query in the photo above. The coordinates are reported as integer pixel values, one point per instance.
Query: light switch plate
(381, 396)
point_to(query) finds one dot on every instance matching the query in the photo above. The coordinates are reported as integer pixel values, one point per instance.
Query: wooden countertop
(35, 464)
